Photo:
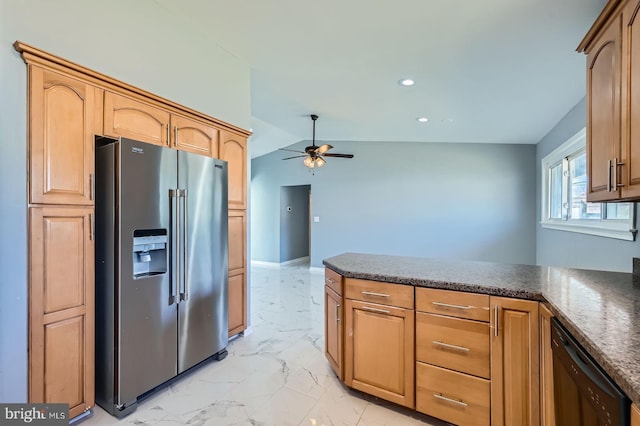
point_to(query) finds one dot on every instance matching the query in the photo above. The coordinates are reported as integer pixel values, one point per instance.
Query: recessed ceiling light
(422, 119)
(406, 82)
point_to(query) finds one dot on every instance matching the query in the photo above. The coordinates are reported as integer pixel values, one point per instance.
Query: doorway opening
(295, 226)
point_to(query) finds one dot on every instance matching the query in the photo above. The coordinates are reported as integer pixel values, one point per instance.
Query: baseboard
(278, 265)
(316, 269)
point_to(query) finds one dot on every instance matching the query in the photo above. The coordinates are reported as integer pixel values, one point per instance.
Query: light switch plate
(316, 219)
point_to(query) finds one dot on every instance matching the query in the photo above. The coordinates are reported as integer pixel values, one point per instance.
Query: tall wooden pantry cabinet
(68, 106)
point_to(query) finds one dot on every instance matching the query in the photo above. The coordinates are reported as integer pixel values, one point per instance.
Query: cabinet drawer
(451, 396)
(453, 303)
(454, 343)
(333, 280)
(376, 292)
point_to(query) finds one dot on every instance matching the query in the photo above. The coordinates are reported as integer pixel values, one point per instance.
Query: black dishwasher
(584, 395)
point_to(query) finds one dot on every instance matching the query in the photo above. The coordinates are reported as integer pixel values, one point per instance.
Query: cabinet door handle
(175, 136)
(447, 345)
(371, 293)
(337, 312)
(496, 316)
(91, 227)
(92, 186)
(453, 401)
(382, 311)
(609, 176)
(447, 305)
(168, 135)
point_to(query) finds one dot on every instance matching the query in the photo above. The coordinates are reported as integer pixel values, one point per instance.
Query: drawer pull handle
(371, 293)
(446, 345)
(382, 311)
(329, 280)
(447, 305)
(453, 401)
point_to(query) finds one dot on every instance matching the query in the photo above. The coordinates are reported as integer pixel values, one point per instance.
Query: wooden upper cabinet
(61, 307)
(61, 138)
(515, 392)
(137, 120)
(233, 149)
(194, 136)
(613, 103)
(603, 114)
(631, 101)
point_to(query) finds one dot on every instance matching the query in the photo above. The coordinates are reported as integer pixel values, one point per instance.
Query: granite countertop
(601, 309)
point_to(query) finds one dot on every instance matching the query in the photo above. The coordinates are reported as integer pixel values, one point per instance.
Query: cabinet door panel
(379, 352)
(233, 149)
(135, 120)
(631, 98)
(547, 414)
(333, 330)
(514, 363)
(194, 136)
(64, 361)
(61, 126)
(63, 261)
(61, 307)
(603, 111)
(237, 303)
(237, 226)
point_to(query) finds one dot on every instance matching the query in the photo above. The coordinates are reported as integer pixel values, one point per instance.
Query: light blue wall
(467, 201)
(134, 41)
(561, 248)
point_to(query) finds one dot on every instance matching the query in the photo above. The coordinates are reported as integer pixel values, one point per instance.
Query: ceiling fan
(314, 155)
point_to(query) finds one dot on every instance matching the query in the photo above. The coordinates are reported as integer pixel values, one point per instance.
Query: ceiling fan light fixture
(309, 162)
(320, 162)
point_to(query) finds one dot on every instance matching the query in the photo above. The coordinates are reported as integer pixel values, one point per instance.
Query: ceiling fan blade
(292, 150)
(324, 148)
(339, 155)
(295, 156)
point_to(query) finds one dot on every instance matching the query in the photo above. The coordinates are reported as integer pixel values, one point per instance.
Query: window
(564, 196)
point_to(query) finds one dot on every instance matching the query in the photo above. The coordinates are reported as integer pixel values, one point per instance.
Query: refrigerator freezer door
(148, 315)
(202, 311)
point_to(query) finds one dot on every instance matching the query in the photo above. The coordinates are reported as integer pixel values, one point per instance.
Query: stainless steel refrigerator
(161, 267)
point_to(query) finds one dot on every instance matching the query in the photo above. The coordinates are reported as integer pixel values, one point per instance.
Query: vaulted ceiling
(492, 71)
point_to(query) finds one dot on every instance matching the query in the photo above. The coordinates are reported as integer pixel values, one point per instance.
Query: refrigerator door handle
(185, 245)
(174, 235)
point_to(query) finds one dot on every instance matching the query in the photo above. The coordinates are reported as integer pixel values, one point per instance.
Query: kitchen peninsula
(600, 309)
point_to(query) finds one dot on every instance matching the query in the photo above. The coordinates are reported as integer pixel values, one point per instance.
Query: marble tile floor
(275, 375)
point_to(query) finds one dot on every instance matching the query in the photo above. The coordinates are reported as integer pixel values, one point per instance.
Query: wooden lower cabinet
(61, 307)
(547, 414)
(514, 362)
(333, 330)
(379, 350)
(455, 397)
(237, 272)
(237, 303)
(635, 415)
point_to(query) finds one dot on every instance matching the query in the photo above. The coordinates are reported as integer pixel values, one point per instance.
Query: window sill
(620, 233)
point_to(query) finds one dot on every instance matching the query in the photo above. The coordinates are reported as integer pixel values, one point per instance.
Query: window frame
(623, 229)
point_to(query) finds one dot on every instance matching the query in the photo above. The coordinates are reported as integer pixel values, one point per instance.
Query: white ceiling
(502, 71)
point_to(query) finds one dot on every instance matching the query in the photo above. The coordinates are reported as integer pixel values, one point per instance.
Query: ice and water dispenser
(150, 251)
